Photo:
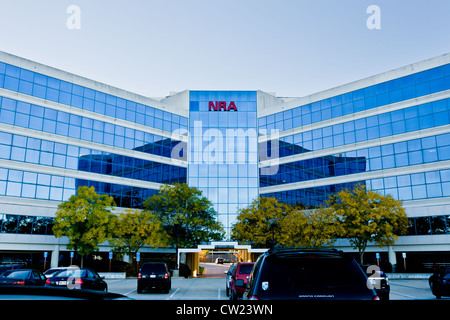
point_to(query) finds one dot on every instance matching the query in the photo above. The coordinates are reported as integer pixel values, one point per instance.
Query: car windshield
(51, 271)
(76, 273)
(245, 268)
(311, 274)
(153, 267)
(21, 274)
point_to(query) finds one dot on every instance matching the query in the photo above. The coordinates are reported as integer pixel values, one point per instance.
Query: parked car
(28, 277)
(154, 275)
(51, 272)
(241, 272)
(76, 278)
(379, 281)
(219, 261)
(440, 282)
(228, 278)
(11, 265)
(307, 274)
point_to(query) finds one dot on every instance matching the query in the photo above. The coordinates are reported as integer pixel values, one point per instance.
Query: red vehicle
(241, 272)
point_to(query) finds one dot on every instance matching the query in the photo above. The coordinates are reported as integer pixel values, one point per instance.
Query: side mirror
(239, 283)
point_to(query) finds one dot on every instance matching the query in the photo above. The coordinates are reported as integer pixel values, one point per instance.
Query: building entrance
(216, 253)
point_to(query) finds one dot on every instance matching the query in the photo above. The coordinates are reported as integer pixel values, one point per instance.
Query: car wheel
(435, 290)
(227, 291)
(139, 289)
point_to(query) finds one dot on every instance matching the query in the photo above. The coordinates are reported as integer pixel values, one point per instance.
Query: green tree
(188, 217)
(260, 224)
(133, 229)
(369, 217)
(310, 228)
(84, 219)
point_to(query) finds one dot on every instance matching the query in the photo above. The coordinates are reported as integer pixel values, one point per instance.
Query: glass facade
(381, 131)
(403, 88)
(50, 88)
(395, 155)
(36, 225)
(11, 223)
(420, 117)
(223, 149)
(391, 135)
(69, 126)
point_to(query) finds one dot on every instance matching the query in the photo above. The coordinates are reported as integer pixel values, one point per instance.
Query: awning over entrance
(240, 253)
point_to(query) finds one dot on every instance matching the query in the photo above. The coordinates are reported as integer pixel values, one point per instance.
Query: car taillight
(253, 298)
(166, 276)
(375, 298)
(21, 282)
(47, 281)
(78, 281)
(139, 276)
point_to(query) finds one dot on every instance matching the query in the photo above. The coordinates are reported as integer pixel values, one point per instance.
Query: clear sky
(290, 47)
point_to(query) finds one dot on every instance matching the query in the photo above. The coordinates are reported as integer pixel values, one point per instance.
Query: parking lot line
(129, 292)
(171, 296)
(403, 295)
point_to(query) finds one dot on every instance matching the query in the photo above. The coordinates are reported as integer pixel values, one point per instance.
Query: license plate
(62, 283)
(153, 276)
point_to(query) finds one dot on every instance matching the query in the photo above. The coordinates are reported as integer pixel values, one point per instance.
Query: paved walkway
(214, 270)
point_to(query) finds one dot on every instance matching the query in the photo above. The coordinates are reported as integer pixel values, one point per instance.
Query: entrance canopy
(191, 256)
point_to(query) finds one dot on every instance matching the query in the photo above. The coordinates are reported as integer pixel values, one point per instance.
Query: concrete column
(195, 264)
(55, 257)
(392, 257)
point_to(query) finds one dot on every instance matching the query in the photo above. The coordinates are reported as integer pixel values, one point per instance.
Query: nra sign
(222, 105)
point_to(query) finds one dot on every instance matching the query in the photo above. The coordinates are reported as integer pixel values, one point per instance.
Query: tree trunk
(362, 249)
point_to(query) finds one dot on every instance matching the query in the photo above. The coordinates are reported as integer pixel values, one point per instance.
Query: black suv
(301, 274)
(154, 275)
(440, 282)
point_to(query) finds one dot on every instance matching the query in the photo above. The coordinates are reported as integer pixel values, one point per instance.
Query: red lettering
(222, 105)
(211, 105)
(232, 106)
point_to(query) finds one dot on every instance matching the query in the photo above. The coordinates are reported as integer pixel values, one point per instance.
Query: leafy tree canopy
(367, 216)
(84, 219)
(310, 228)
(185, 207)
(133, 229)
(259, 224)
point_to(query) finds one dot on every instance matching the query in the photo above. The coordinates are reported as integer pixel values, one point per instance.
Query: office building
(58, 131)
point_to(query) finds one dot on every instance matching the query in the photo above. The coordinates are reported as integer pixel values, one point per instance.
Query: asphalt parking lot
(212, 287)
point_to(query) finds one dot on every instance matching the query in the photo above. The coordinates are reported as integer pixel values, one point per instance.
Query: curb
(408, 276)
